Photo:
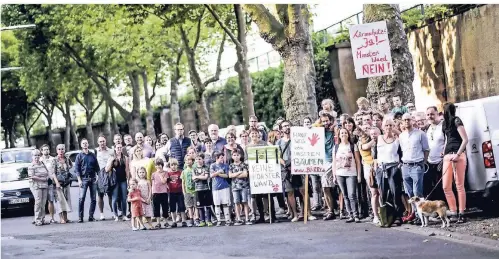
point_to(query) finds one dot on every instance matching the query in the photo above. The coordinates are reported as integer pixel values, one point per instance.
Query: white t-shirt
(345, 160)
(436, 141)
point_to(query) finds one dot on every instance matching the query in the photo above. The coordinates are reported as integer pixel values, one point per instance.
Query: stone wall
(457, 59)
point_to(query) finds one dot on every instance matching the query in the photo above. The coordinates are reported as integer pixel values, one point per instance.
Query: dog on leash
(427, 208)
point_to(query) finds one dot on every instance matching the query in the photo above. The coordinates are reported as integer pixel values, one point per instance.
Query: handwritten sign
(264, 170)
(307, 150)
(371, 50)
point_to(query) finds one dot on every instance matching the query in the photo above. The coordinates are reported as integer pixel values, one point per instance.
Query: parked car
(481, 122)
(16, 194)
(16, 155)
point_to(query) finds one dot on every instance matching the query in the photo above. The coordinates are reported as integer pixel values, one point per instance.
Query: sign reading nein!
(371, 50)
(307, 150)
(264, 170)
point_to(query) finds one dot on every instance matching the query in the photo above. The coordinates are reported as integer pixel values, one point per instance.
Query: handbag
(64, 178)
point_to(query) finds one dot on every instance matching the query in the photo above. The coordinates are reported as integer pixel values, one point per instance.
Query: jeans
(348, 186)
(413, 180)
(317, 190)
(120, 189)
(91, 184)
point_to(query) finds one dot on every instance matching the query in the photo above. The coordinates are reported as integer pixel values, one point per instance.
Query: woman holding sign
(346, 171)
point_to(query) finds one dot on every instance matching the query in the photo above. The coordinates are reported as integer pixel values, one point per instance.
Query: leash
(453, 171)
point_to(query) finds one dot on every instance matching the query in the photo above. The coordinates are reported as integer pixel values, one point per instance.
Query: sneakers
(312, 218)
(238, 223)
(219, 223)
(135, 229)
(102, 217)
(357, 220)
(460, 218)
(280, 211)
(174, 224)
(80, 220)
(202, 224)
(91, 219)
(209, 224)
(295, 219)
(350, 220)
(408, 218)
(189, 224)
(116, 218)
(376, 220)
(330, 216)
(184, 224)
(125, 218)
(167, 226)
(248, 222)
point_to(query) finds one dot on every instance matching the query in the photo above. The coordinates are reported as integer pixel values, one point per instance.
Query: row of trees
(83, 53)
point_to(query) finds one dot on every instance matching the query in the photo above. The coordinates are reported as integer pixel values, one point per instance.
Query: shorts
(221, 197)
(367, 174)
(189, 200)
(204, 198)
(177, 203)
(240, 196)
(51, 193)
(295, 184)
(327, 177)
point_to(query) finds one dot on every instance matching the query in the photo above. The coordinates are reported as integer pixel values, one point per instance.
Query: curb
(450, 236)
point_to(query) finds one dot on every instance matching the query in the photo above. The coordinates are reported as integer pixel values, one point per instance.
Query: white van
(481, 121)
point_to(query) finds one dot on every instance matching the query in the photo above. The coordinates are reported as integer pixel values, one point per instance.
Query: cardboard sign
(307, 150)
(371, 50)
(264, 170)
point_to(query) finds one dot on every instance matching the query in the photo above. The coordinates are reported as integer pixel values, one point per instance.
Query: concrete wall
(457, 59)
(348, 88)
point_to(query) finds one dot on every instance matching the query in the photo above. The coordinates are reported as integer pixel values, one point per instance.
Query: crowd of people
(374, 157)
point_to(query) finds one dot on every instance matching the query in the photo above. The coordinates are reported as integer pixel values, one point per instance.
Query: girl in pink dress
(144, 186)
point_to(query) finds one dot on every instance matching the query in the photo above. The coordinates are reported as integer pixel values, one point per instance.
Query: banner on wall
(371, 50)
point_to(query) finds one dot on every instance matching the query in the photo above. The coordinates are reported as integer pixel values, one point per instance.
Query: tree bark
(87, 104)
(12, 137)
(291, 38)
(47, 109)
(241, 66)
(135, 113)
(107, 126)
(174, 106)
(400, 83)
(6, 138)
(27, 126)
(114, 125)
(149, 112)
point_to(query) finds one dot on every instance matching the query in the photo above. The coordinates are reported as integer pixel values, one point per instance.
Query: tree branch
(219, 59)
(224, 27)
(271, 30)
(37, 106)
(81, 103)
(96, 108)
(156, 79)
(198, 33)
(33, 124)
(282, 12)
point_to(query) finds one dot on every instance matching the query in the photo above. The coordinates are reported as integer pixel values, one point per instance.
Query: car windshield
(16, 156)
(10, 175)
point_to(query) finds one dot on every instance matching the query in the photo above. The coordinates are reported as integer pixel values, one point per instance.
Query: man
(436, 142)
(128, 143)
(177, 146)
(163, 138)
(146, 149)
(218, 142)
(47, 159)
(117, 140)
(411, 107)
(253, 124)
(86, 169)
(326, 181)
(415, 150)
(196, 143)
(103, 153)
(291, 182)
(367, 120)
(378, 120)
(384, 107)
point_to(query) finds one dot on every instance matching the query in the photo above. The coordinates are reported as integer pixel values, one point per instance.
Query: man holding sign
(327, 178)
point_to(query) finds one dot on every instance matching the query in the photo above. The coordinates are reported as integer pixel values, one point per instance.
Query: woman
(137, 162)
(273, 137)
(454, 162)
(38, 176)
(350, 125)
(157, 145)
(230, 147)
(148, 140)
(201, 136)
(366, 144)
(243, 139)
(195, 143)
(346, 172)
(120, 164)
(307, 122)
(60, 170)
(388, 175)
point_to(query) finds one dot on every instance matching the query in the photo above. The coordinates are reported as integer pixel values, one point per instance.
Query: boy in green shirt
(189, 190)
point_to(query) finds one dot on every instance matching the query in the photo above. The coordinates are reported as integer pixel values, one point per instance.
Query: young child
(189, 190)
(136, 200)
(144, 186)
(238, 171)
(204, 199)
(177, 204)
(221, 188)
(160, 193)
(363, 105)
(397, 105)
(208, 160)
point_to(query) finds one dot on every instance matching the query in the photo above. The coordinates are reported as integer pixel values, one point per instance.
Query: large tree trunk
(202, 111)
(289, 35)
(174, 106)
(67, 117)
(107, 126)
(242, 67)
(135, 113)
(90, 133)
(400, 83)
(12, 137)
(149, 112)
(50, 134)
(74, 137)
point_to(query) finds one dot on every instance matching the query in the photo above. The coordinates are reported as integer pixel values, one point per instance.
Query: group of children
(194, 190)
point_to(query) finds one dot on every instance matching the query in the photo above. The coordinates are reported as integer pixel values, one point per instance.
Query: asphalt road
(317, 239)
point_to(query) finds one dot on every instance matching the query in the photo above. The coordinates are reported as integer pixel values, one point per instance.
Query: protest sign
(371, 50)
(307, 150)
(264, 170)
